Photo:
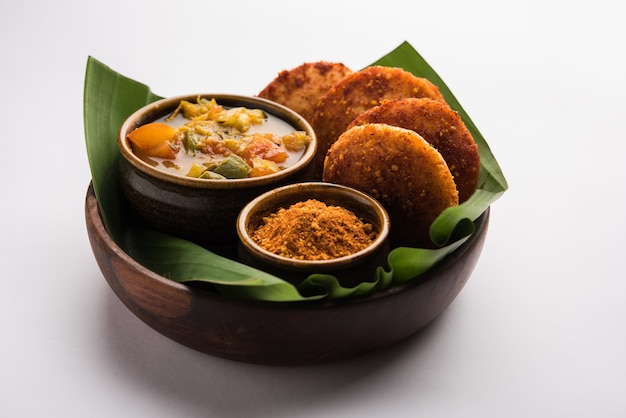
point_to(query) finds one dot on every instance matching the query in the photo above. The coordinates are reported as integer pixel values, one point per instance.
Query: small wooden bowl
(277, 333)
(351, 269)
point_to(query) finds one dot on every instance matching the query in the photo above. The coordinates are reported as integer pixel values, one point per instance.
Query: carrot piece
(154, 140)
(150, 135)
(162, 150)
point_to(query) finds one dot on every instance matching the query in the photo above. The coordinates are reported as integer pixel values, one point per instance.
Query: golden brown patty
(400, 169)
(442, 127)
(300, 88)
(358, 92)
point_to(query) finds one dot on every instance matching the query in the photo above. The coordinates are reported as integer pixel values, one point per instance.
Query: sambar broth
(222, 142)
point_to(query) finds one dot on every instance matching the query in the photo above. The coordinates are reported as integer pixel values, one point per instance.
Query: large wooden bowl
(277, 333)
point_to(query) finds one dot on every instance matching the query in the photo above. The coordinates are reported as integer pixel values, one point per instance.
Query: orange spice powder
(312, 230)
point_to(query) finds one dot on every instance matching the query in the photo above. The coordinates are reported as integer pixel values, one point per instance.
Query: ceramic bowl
(275, 333)
(350, 269)
(201, 210)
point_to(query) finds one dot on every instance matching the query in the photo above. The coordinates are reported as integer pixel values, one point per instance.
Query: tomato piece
(266, 148)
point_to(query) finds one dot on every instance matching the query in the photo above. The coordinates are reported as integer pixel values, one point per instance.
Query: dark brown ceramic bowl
(277, 333)
(201, 210)
(350, 269)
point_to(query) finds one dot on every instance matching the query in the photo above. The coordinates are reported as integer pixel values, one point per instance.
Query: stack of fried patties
(388, 133)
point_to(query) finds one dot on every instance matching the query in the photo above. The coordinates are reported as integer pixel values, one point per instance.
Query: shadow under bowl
(276, 333)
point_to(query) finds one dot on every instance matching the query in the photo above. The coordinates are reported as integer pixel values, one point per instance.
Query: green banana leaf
(109, 98)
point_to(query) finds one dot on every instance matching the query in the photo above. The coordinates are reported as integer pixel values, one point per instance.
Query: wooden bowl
(350, 269)
(194, 208)
(295, 333)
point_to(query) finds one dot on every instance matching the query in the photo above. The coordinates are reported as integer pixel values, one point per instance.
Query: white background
(540, 329)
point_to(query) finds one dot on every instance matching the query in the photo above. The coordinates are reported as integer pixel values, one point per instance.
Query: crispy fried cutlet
(442, 127)
(400, 169)
(359, 92)
(301, 87)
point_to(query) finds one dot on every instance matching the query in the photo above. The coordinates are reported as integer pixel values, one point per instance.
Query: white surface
(538, 331)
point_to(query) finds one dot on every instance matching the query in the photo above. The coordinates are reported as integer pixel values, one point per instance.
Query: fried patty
(301, 87)
(442, 127)
(400, 169)
(359, 92)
